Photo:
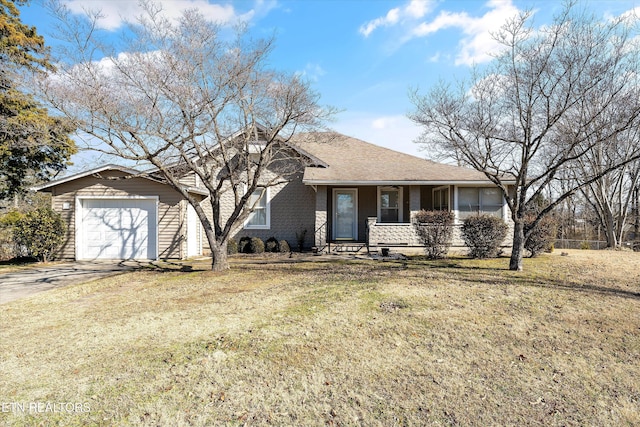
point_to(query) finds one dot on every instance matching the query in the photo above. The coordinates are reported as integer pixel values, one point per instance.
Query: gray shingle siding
(292, 211)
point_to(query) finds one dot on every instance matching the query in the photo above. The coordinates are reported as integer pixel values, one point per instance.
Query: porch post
(321, 226)
(414, 201)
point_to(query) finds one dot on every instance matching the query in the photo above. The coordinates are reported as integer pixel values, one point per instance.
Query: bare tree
(611, 196)
(537, 107)
(636, 217)
(185, 98)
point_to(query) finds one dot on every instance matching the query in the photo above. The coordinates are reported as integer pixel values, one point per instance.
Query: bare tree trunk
(636, 214)
(219, 256)
(220, 261)
(517, 250)
(610, 230)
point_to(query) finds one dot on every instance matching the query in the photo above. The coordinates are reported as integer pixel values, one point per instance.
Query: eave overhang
(316, 182)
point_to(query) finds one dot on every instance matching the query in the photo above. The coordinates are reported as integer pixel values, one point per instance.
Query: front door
(345, 214)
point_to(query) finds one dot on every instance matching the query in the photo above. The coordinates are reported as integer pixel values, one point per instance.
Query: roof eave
(400, 182)
(53, 183)
(198, 191)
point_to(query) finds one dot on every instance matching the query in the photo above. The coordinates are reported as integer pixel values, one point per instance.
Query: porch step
(319, 250)
(348, 247)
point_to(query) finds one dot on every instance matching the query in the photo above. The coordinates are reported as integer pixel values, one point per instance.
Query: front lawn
(453, 342)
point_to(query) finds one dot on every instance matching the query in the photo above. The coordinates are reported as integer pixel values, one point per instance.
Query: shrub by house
(434, 231)
(483, 235)
(41, 232)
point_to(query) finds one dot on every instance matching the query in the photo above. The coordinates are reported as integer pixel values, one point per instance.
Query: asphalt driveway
(25, 282)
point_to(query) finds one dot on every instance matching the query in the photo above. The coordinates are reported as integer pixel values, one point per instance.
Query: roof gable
(47, 186)
(103, 168)
(255, 139)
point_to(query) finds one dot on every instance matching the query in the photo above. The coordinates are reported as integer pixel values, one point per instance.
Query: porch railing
(390, 234)
(402, 234)
(320, 237)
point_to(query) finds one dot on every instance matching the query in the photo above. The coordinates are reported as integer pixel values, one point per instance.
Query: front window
(441, 199)
(389, 204)
(259, 202)
(474, 200)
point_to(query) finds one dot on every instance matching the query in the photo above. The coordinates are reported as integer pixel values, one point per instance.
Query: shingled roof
(350, 161)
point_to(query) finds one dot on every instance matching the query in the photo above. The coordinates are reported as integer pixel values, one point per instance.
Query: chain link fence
(591, 244)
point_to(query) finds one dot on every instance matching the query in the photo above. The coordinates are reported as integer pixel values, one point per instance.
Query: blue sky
(362, 56)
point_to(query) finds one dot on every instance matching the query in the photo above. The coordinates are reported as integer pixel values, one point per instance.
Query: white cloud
(312, 72)
(418, 8)
(435, 57)
(476, 44)
(415, 9)
(117, 12)
(631, 14)
(444, 20)
(390, 19)
(112, 12)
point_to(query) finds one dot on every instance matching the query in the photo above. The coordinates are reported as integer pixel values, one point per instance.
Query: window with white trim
(390, 204)
(441, 198)
(479, 200)
(260, 218)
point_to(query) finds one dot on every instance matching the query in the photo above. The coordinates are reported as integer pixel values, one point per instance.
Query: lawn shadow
(19, 261)
(205, 263)
(468, 270)
(483, 274)
(160, 266)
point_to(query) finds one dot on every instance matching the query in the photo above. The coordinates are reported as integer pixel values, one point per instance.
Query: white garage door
(117, 229)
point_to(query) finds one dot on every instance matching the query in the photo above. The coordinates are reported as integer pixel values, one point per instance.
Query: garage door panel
(133, 219)
(110, 252)
(94, 235)
(118, 229)
(112, 237)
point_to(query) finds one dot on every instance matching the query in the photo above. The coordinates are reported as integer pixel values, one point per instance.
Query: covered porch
(368, 195)
(373, 215)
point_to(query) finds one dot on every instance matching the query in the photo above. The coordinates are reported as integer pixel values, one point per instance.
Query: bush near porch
(483, 235)
(434, 230)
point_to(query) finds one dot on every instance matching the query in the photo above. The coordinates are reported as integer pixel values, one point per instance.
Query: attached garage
(118, 213)
(117, 228)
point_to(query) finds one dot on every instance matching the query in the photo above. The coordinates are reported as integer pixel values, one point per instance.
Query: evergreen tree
(34, 146)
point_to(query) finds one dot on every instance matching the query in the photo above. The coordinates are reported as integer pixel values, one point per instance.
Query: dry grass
(455, 342)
